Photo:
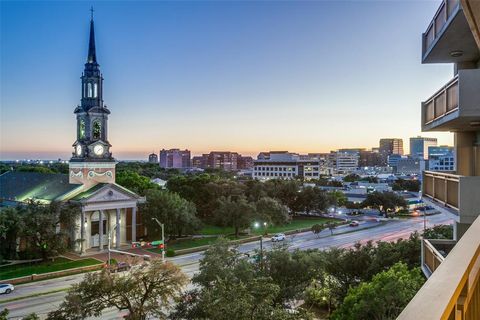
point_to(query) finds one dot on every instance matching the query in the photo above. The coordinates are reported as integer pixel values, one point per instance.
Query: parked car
(6, 288)
(278, 237)
(354, 223)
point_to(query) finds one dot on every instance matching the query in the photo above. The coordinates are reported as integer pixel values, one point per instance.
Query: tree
(11, 228)
(384, 201)
(3, 314)
(439, 232)
(312, 199)
(316, 229)
(230, 287)
(382, 298)
(135, 182)
(48, 228)
(286, 191)
(178, 214)
(337, 198)
(409, 185)
(234, 213)
(351, 177)
(145, 292)
(272, 211)
(331, 226)
(321, 292)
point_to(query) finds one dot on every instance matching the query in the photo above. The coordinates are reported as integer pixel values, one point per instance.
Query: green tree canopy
(145, 292)
(272, 210)
(238, 214)
(135, 182)
(177, 214)
(382, 298)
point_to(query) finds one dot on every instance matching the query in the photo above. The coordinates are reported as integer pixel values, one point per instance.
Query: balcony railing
(434, 252)
(453, 290)
(442, 187)
(443, 102)
(444, 12)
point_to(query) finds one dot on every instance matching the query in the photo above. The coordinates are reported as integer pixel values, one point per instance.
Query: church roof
(45, 187)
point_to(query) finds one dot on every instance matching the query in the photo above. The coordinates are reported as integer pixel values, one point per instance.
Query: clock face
(98, 149)
(78, 149)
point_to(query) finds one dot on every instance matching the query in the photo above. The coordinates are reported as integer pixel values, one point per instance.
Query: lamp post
(163, 237)
(257, 225)
(109, 239)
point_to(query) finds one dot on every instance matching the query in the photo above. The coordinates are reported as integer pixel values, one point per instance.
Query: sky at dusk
(223, 75)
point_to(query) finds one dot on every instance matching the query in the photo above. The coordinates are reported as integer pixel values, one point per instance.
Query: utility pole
(163, 237)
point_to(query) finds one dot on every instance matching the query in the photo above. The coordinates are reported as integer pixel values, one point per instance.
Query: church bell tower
(92, 161)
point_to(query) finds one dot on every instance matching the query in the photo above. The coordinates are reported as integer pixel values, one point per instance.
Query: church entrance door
(95, 230)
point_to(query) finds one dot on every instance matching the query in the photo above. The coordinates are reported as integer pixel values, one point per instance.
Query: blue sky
(221, 75)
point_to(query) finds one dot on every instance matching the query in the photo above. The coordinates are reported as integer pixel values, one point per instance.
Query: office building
(388, 147)
(284, 165)
(343, 162)
(419, 147)
(441, 158)
(452, 290)
(175, 158)
(224, 160)
(244, 162)
(152, 158)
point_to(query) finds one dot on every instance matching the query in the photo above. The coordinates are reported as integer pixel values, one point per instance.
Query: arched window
(82, 129)
(97, 130)
(95, 90)
(89, 90)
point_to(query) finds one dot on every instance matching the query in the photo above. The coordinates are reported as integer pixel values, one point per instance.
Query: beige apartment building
(452, 290)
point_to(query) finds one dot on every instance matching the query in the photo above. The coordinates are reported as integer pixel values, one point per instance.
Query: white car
(6, 288)
(278, 237)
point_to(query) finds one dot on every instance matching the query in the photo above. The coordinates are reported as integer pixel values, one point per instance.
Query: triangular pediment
(110, 192)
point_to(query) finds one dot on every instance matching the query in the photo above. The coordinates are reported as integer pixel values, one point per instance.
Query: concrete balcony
(453, 289)
(461, 193)
(449, 38)
(456, 106)
(434, 252)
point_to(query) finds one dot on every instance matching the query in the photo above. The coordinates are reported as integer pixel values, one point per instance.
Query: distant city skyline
(217, 76)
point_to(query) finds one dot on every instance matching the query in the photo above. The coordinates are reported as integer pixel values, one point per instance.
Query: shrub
(170, 253)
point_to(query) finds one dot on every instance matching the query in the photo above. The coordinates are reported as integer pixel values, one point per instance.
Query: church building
(106, 207)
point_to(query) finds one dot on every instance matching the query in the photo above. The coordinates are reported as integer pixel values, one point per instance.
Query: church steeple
(92, 143)
(92, 56)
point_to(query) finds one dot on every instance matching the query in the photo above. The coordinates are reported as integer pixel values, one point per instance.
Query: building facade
(419, 147)
(441, 158)
(175, 159)
(389, 146)
(343, 161)
(284, 165)
(152, 158)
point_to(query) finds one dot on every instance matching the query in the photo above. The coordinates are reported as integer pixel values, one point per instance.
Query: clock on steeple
(92, 161)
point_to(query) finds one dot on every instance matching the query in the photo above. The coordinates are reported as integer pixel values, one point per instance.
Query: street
(344, 236)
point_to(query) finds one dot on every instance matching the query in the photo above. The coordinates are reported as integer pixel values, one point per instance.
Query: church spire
(92, 57)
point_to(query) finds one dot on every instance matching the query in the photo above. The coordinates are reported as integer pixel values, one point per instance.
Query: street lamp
(257, 225)
(163, 237)
(109, 239)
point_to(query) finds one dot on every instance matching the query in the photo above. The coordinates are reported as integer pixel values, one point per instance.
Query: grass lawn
(228, 232)
(293, 225)
(21, 270)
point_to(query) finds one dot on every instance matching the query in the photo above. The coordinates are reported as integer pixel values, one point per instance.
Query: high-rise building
(152, 158)
(175, 159)
(419, 147)
(441, 158)
(452, 290)
(369, 158)
(389, 146)
(224, 160)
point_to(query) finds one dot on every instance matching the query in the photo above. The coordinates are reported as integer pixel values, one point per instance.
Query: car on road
(278, 237)
(354, 223)
(6, 288)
